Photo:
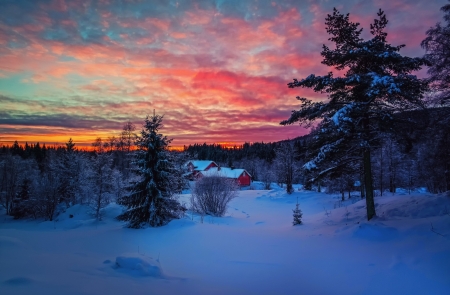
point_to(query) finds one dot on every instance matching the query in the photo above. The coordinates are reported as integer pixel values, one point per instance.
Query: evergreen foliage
(362, 103)
(220, 154)
(297, 214)
(68, 173)
(151, 200)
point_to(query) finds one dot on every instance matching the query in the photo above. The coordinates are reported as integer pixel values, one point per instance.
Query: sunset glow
(216, 70)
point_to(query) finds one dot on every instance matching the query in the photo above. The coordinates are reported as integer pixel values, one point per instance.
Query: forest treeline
(37, 181)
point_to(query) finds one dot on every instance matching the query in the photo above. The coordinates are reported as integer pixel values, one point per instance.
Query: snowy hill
(254, 249)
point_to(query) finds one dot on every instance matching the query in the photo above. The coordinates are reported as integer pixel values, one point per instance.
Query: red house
(242, 177)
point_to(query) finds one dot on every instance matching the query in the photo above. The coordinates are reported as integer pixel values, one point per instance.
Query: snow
(138, 264)
(200, 165)
(224, 172)
(342, 114)
(254, 249)
(310, 165)
(387, 82)
(324, 150)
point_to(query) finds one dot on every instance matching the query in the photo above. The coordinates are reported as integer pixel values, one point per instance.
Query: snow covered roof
(225, 172)
(200, 165)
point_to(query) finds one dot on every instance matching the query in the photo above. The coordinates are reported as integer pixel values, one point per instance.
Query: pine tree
(66, 165)
(70, 145)
(377, 84)
(151, 200)
(297, 214)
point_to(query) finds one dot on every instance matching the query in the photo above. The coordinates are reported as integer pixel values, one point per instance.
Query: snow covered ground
(253, 250)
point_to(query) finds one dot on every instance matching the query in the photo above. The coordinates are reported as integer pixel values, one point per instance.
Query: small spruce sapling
(297, 214)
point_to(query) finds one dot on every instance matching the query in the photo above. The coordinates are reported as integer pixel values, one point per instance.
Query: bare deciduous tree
(212, 194)
(437, 46)
(101, 182)
(267, 176)
(285, 163)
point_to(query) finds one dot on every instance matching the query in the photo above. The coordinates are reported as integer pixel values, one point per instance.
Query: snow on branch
(342, 115)
(386, 82)
(322, 155)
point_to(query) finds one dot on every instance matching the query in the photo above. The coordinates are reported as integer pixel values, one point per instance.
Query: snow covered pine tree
(151, 200)
(297, 214)
(377, 84)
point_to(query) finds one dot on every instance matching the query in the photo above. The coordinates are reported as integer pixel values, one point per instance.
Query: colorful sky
(217, 70)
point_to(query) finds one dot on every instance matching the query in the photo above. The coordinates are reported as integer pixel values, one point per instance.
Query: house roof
(225, 172)
(200, 165)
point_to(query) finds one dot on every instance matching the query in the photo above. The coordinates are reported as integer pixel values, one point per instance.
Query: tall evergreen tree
(68, 173)
(151, 200)
(377, 83)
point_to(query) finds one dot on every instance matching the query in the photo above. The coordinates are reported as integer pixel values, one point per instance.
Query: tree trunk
(361, 184)
(381, 171)
(370, 203)
(391, 184)
(361, 180)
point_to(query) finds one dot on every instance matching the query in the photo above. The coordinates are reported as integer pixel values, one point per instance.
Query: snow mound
(112, 210)
(80, 215)
(139, 265)
(10, 242)
(417, 207)
(375, 232)
(18, 281)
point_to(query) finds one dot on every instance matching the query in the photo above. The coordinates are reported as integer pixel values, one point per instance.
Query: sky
(217, 70)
